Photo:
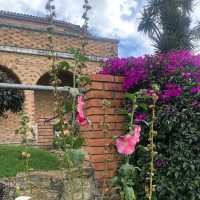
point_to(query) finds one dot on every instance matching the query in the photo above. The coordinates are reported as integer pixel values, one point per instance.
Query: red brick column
(29, 108)
(106, 123)
(45, 133)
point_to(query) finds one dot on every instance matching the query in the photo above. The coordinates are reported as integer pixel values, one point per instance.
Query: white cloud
(110, 18)
(109, 21)
(196, 13)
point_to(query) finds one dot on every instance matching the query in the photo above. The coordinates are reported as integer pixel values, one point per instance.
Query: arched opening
(14, 101)
(10, 74)
(65, 77)
(44, 100)
(44, 105)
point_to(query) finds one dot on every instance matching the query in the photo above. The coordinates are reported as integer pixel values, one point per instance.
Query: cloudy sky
(108, 18)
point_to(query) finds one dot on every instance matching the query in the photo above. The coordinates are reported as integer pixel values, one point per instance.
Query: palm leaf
(154, 7)
(148, 24)
(186, 5)
(195, 32)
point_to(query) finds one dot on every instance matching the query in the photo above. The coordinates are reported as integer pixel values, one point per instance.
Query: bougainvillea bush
(177, 162)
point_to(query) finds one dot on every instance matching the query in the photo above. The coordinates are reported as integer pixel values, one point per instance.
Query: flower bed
(175, 78)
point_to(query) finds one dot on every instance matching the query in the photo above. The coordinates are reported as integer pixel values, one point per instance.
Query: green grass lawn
(11, 163)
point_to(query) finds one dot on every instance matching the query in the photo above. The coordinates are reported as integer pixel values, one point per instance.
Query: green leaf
(63, 66)
(143, 106)
(131, 96)
(75, 156)
(68, 106)
(129, 193)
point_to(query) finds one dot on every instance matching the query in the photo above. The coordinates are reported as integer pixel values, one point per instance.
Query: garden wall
(50, 186)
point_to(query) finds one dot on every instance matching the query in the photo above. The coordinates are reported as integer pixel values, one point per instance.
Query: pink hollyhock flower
(126, 144)
(137, 130)
(80, 116)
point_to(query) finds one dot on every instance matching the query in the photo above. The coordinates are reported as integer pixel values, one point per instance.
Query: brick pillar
(99, 144)
(29, 108)
(45, 133)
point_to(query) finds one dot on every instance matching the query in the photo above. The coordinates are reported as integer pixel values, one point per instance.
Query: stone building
(24, 57)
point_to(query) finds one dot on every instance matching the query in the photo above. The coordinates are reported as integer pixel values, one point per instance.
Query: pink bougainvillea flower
(80, 116)
(140, 117)
(195, 89)
(126, 144)
(150, 92)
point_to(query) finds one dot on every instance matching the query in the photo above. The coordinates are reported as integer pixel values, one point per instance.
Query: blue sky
(108, 18)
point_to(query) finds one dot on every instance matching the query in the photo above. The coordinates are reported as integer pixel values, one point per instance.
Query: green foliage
(63, 66)
(10, 100)
(125, 181)
(68, 142)
(168, 24)
(178, 145)
(12, 163)
(128, 175)
(74, 157)
(24, 128)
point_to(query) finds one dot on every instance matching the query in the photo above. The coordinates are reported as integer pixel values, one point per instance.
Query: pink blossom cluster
(157, 68)
(80, 116)
(126, 144)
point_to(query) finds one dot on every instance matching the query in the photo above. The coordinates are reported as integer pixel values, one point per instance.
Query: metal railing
(72, 91)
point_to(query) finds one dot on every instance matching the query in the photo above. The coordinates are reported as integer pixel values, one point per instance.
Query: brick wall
(106, 123)
(7, 129)
(37, 40)
(26, 34)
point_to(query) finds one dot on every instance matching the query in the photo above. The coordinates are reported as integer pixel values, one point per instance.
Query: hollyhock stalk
(150, 187)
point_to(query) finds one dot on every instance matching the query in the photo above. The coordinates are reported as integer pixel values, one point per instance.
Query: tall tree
(167, 22)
